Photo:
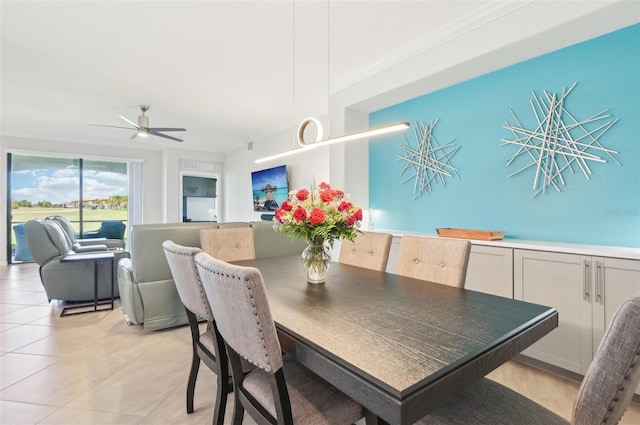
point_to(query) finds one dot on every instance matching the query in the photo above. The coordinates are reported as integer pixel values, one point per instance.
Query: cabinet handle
(598, 281)
(586, 281)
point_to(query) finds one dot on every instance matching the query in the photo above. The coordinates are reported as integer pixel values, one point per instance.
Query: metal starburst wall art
(559, 143)
(429, 162)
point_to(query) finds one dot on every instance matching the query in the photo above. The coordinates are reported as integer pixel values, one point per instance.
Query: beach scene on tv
(270, 188)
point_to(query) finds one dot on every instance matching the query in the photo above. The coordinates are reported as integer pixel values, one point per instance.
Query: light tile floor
(93, 369)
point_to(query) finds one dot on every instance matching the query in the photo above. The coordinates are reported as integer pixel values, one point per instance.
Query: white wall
(301, 169)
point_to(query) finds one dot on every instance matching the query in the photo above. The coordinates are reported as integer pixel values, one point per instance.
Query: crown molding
(465, 24)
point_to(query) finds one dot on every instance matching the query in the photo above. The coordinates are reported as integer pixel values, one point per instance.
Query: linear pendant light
(379, 131)
(367, 133)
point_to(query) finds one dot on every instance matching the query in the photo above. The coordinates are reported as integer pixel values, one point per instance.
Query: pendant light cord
(328, 68)
(319, 141)
(293, 65)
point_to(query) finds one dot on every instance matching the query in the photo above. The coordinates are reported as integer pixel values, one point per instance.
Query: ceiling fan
(143, 129)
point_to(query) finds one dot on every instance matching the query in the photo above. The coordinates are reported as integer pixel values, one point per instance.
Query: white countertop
(568, 248)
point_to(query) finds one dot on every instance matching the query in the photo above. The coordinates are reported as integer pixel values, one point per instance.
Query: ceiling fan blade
(112, 126)
(130, 122)
(166, 129)
(134, 136)
(165, 136)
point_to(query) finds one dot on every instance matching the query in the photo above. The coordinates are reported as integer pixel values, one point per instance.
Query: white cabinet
(557, 280)
(585, 290)
(490, 270)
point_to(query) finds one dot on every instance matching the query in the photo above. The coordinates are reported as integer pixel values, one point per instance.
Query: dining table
(399, 346)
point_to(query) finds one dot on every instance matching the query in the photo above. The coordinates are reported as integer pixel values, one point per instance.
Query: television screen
(270, 188)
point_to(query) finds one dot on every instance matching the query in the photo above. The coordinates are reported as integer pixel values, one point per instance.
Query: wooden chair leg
(193, 375)
(223, 390)
(238, 410)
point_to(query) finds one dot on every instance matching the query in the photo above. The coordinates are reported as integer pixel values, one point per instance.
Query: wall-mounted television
(270, 188)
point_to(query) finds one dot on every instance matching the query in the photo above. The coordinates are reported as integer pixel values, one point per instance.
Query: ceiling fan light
(142, 133)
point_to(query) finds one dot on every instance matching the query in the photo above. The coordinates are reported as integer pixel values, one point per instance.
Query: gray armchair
(68, 281)
(90, 244)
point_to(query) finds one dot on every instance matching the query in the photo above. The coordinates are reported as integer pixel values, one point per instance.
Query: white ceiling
(224, 70)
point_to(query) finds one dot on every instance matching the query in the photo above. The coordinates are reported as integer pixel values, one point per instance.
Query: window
(88, 192)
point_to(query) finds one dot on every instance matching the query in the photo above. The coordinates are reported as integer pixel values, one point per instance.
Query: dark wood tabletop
(397, 345)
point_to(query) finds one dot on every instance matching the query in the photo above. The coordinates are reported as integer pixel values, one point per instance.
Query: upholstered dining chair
(436, 259)
(369, 250)
(603, 396)
(228, 244)
(278, 391)
(208, 345)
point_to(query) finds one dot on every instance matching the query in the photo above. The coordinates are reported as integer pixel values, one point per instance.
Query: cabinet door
(615, 280)
(490, 270)
(561, 281)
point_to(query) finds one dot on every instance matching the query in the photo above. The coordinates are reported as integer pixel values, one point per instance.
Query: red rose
(300, 214)
(351, 220)
(324, 185)
(316, 216)
(358, 214)
(280, 212)
(327, 195)
(302, 194)
(339, 193)
(344, 206)
(286, 205)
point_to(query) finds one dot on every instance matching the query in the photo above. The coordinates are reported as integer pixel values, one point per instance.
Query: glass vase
(316, 260)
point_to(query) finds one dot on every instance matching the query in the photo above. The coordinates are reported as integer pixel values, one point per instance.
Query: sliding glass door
(105, 201)
(92, 194)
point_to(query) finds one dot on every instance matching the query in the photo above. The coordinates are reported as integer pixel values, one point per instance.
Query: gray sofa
(148, 295)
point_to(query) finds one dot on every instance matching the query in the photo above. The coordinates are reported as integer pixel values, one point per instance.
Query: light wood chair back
(369, 250)
(435, 259)
(228, 244)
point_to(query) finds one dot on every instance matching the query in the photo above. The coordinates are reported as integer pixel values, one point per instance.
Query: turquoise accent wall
(604, 210)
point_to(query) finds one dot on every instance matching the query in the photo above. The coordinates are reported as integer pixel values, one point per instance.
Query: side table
(95, 258)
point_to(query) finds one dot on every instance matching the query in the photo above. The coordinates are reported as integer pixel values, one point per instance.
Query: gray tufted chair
(435, 259)
(277, 391)
(206, 346)
(605, 392)
(369, 250)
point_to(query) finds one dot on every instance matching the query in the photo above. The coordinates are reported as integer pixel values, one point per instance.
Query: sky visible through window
(60, 185)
